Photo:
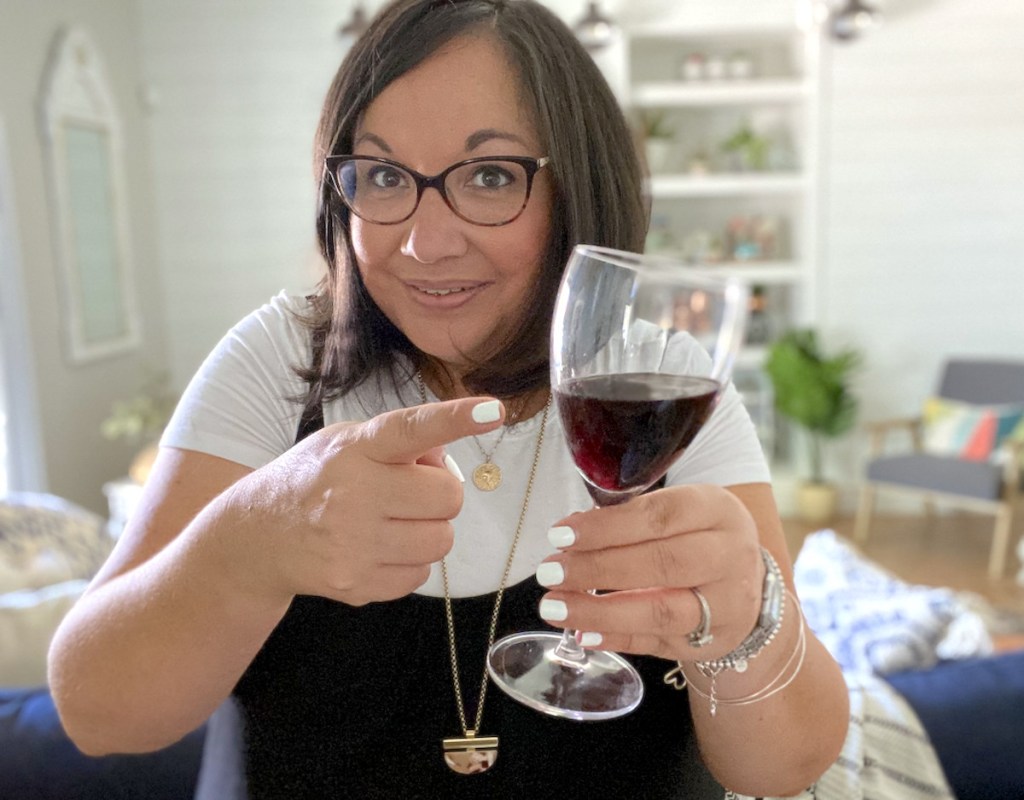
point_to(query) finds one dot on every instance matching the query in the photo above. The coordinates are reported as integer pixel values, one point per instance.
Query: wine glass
(641, 348)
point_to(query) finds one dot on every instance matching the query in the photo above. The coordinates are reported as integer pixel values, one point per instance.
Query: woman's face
(454, 288)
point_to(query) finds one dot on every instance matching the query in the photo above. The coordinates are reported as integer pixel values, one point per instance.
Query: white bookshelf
(702, 194)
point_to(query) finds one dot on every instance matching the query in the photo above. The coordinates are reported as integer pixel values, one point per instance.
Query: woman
(286, 550)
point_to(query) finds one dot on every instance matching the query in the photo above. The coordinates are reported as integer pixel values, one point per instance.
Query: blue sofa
(39, 762)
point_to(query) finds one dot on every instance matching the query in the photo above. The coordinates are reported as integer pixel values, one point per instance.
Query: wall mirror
(83, 148)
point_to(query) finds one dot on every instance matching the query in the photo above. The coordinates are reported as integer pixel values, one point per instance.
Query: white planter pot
(661, 154)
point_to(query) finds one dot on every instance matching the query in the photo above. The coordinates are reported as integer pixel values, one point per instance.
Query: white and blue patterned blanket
(871, 621)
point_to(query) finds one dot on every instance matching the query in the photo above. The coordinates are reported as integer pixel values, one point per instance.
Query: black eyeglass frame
(423, 182)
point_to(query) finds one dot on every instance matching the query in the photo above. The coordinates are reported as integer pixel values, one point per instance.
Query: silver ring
(702, 636)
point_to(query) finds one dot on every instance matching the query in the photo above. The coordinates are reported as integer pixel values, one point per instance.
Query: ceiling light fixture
(357, 24)
(595, 30)
(852, 19)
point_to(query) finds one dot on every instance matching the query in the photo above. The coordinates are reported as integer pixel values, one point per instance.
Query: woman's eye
(491, 176)
(384, 177)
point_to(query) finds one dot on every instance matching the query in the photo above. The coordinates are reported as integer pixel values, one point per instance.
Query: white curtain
(21, 456)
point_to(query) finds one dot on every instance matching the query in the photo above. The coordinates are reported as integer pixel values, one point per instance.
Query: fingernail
(550, 573)
(453, 468)
(553, 610)
(590, 639)
(561, 536)
(487, 411)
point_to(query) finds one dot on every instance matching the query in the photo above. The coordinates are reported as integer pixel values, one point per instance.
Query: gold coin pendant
(487, 477)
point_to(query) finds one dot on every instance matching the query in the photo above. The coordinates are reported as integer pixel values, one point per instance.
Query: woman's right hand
(356, 512)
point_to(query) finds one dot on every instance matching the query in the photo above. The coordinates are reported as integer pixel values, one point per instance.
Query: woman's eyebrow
(474, 140)
(374, 139)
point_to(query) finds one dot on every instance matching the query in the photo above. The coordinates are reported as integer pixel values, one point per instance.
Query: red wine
(624, 431)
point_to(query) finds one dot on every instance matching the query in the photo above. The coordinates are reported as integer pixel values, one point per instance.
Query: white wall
(73, 399)
(922, 239)
(236, 88)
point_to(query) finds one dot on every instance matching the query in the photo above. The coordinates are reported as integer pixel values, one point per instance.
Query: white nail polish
(590, 639)
(453, 468)
(561, 536)
(488, 411)
(550, 573)
(553, 610)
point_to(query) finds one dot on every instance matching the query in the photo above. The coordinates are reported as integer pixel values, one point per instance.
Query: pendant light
(853, 19)
(356, 24)
(595, 30)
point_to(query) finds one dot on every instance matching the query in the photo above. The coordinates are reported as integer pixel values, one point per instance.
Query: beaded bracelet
(773, 609)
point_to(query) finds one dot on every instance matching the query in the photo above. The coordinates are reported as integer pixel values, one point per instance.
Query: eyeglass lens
(485, 192)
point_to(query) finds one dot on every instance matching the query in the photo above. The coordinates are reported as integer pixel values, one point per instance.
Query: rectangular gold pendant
(471, 754)
(467, 743)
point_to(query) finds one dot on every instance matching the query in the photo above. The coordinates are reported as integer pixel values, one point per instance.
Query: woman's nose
(434, 231)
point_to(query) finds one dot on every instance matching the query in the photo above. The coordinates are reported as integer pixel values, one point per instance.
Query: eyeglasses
(492, 190)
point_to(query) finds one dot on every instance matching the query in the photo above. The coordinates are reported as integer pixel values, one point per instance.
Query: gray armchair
(984, 486)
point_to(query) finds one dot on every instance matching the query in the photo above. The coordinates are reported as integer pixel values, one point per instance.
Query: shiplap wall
(922, 241)
(923, 147)
(234, 90)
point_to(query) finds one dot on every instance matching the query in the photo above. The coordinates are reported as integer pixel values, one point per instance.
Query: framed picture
(84, 154)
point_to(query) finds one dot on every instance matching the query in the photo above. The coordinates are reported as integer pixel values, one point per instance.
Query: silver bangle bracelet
(769, 621)
(781, 681)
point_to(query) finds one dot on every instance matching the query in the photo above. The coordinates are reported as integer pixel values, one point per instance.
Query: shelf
(725, 184)
(779, 100)
(759, 273)
(723, 92)
(738, 29)
(763, 273)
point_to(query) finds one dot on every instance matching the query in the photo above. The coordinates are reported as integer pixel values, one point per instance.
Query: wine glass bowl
(641, 349)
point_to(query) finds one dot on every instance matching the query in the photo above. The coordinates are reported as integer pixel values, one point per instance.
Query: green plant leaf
(812, 389)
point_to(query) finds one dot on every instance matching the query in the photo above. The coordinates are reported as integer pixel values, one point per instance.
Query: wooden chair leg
(1000, 541)
(865, 507)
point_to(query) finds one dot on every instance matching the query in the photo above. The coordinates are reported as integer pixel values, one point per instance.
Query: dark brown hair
(595, 172)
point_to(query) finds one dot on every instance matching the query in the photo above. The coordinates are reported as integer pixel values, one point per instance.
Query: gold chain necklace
(470, 754)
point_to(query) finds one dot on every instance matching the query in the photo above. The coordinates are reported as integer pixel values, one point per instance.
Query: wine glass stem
(569, 649)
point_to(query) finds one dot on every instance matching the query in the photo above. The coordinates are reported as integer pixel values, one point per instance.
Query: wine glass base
(526, 667)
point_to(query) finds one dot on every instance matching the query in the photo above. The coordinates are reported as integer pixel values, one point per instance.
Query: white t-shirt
(238, 407)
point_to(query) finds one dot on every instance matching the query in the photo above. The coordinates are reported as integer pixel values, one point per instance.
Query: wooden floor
(950, 550)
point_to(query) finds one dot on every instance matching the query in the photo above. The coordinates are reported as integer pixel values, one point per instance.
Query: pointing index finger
(406, 435)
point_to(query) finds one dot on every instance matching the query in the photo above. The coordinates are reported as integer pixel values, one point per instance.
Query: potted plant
(747, 150)
(659, 144)
(812, 389)
(140, 421)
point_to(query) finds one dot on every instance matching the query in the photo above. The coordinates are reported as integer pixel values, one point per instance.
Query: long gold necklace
(471, 753)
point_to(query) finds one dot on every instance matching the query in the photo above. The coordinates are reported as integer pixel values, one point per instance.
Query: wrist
(773, 661)
(754, 670)
(769, 623)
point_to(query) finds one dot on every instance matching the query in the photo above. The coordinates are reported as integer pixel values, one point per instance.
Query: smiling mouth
(444, 292)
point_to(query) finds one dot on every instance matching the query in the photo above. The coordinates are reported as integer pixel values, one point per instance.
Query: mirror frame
(83, 149)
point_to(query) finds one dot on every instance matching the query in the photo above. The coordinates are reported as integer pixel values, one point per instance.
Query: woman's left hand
(645, 557)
